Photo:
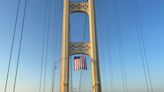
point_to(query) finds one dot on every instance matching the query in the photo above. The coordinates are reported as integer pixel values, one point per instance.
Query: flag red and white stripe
(80, 63)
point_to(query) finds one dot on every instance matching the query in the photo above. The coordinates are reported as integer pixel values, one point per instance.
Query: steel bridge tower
(87, 48)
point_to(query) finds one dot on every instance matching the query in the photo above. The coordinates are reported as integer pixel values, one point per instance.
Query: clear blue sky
(111, 16)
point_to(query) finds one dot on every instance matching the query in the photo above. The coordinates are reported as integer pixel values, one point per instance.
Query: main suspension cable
(12, 45)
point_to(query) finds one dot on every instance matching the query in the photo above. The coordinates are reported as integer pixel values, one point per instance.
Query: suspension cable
(120, 44)
(112, 78)
(12, 45)
(58, 78)
(55, 50)
(142, 46)
(71, 65)
(104, 25)
(123, 70)
(60, 32)
(53, 61)
(80, 80)
(20, 46)
(71, 76)
(56, 59)
(43, 46)
(54, 56)
(47, 45)
(58, 40)
(84, 40)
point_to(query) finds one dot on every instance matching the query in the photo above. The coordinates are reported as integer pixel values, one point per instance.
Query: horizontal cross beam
(78, 7)
(79, 48)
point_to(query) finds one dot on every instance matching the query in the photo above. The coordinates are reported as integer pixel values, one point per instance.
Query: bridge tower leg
(88, 48)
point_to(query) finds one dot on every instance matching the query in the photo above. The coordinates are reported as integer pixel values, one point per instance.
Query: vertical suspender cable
(104, 63)
(20, 46)
(54, 54)
(71, 64)
(142, 46)
(85, 25)
(59, 35)
(71, 75)
(111, 73)
(84, 40)
(43, 47)
(47, 42)
(12, 45)
(56, 43)
(58, 40)
(122, 62)
(55, 49)
(58, 70)
(55, 40)
(80, 81)
(53, 61)
(146, 80)
(112, 78)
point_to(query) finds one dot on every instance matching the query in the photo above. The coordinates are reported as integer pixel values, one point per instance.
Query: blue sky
(112, 16)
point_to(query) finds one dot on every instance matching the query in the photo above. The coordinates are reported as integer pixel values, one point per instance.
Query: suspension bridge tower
(71, 48)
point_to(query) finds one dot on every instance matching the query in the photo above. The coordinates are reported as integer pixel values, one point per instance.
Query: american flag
(80, 63)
